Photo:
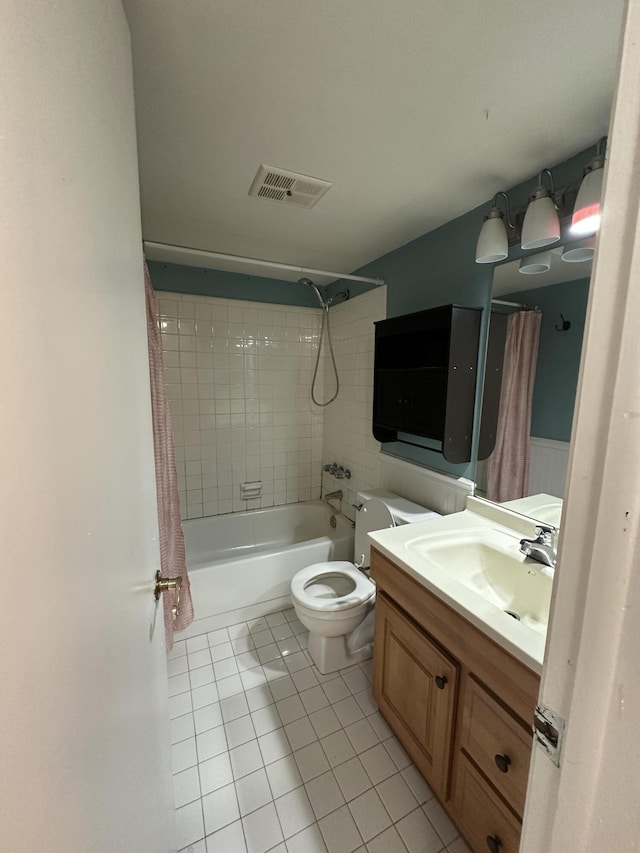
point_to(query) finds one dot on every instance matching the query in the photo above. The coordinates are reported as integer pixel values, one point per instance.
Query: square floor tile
(205, 695)
(288, 646)
(296, 662)
(294, 811)
(274, 619)
(336, 690)
(196, 644)
(324, 722)
(378, 764)
(268, 652)
(418, 834)
(290, 709)
(177, 665)
(324, 794)
(262, 638)
(242, 645)
(233, 707)
(297, 627)
(337, 748)
(458, 846)
(256, 625)
(348, 711)
(356, 680)
(300, 733)
(440, 820)
(211, 743)
(361, 735)
(239, 731)
(247, 660)
(220, 808)
(200, 658)
(258, 697)
(231, 686)
(266, 720)
(282, 632)
(189, 825)
(310, 840)
(180, 705)
(314, 699)
(419, 788)
(304, 679)
(251, 678)
(207, 718)
(397, 753)
(397, 797)
(245, 759)
(274, 746)
(379, 725)
(275, 669)
(262, 829)
(186, 786)
(283, 776)
(182, 728)
(369, 814)
(215, 773)
(387, 842)
(239, 630)
(198, 847)
(365, 700)
(352, 778)
(183, 755)
(253, 791)
(217, 637)
(282, 688)
(230, 839)
(340, 832)
(179, 650)
(311, 761)
(201, 676)
(225, 668)
(221, 652)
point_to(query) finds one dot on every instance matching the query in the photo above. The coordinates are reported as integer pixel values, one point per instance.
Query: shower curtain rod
(222, 256)
(515, 304)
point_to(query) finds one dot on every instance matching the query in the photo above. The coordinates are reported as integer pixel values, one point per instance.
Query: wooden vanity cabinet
(460, 705)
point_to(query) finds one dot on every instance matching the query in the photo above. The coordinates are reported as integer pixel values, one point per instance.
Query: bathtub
(241, 564)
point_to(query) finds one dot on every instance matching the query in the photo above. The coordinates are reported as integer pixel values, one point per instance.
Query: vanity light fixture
(535, 264)
(579, 252)
(541, 226)
(586, 211)
(493, 243)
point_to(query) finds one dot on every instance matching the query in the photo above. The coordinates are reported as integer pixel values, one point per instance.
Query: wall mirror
(549, 290)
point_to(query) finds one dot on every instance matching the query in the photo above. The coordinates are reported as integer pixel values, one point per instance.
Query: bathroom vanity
(457, 683)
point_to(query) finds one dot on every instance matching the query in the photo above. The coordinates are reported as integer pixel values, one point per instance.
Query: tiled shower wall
(238, 377)
(347, 421)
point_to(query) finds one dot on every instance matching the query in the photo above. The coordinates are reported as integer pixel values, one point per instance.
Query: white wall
(238, 378)
(84, 752)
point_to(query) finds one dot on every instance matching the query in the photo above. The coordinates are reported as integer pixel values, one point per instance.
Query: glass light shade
(576, 253)
(541, 225)
(535, 264)
(586, 211)
(493, 244)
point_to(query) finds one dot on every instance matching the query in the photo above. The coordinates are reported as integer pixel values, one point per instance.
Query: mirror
(560, 294)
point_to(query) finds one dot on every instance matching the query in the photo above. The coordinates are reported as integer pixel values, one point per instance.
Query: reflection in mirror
(533, 360)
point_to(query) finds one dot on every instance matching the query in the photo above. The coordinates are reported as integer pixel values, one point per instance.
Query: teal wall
(558, 355)
(230, 285)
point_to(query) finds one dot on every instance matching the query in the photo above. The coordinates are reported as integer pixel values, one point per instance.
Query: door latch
(165, 584)
(548, 730)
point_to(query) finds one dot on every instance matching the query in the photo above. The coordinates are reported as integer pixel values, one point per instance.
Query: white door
(84, 755)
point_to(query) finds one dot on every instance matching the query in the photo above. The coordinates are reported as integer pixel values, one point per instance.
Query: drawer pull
(494, 843)
(503, 762)
(440, 680)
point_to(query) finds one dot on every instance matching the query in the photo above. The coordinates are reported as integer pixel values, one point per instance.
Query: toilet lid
(328, 587)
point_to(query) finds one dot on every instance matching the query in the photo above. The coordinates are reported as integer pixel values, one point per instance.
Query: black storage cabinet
(425, 377)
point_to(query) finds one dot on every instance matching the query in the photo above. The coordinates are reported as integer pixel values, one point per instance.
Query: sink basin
(490, 564)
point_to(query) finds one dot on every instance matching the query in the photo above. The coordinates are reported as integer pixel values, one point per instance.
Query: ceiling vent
(288, 187)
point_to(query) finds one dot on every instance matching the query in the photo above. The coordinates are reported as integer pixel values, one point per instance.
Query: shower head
(309, 283)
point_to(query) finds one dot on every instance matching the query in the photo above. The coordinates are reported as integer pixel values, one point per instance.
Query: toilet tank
(383, 509)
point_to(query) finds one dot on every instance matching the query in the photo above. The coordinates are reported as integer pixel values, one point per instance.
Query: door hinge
(548, 730)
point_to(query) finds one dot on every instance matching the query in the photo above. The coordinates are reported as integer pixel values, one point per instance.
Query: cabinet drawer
(497, 742)
(488, 825)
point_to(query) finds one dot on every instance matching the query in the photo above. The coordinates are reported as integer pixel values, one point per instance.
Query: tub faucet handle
(331, 468)
(164, 585)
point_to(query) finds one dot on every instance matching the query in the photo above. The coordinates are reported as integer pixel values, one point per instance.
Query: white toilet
(334, 600)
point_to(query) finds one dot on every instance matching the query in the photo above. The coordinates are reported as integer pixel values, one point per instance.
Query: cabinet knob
(503, 762)
(440, 680)
(494, 843)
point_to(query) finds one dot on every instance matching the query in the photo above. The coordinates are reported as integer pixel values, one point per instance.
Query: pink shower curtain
(172, 550)
(508, 465)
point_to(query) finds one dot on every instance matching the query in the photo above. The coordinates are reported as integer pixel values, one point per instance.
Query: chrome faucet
(331, 495)
(541, 548)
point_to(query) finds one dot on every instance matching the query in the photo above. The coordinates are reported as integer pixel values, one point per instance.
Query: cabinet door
(415, 685)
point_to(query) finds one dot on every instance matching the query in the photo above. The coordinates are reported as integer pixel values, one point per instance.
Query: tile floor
(270, 755)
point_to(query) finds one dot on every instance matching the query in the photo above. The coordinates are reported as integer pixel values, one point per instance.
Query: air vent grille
(288, 187)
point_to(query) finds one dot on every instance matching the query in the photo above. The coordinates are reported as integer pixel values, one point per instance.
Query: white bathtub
(244, 561)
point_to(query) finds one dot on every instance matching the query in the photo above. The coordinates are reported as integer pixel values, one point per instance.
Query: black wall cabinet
(425, 377)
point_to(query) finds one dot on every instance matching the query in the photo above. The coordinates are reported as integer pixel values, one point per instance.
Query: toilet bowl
(335, 600)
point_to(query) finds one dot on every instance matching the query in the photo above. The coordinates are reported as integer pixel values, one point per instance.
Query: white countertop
(524, 643)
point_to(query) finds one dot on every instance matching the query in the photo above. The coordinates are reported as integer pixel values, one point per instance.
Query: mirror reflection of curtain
(508, 465)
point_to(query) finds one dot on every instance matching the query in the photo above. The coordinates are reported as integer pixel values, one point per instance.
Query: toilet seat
(312, 587)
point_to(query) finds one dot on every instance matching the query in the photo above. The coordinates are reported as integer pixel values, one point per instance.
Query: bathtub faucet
(331, 495)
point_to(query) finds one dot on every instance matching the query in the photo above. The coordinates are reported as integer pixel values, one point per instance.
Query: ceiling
(416, 111)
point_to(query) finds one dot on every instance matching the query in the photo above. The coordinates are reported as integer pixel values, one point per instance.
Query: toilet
(335, 600)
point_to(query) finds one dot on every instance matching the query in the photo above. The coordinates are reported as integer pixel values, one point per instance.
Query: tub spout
(331, 495)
